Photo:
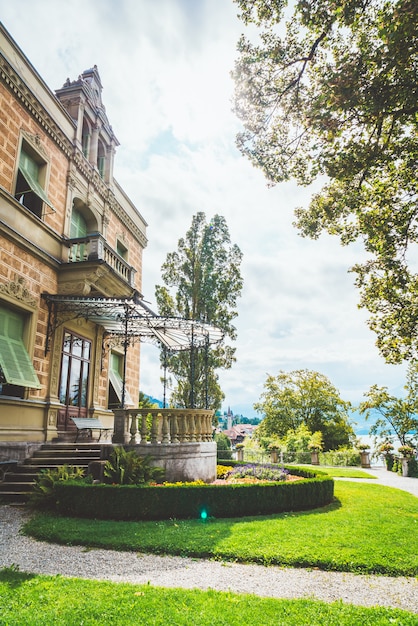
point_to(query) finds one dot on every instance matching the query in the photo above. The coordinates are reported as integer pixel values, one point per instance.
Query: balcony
(92, 267)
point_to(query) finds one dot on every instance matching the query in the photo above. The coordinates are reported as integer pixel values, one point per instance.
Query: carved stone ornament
(18, 289)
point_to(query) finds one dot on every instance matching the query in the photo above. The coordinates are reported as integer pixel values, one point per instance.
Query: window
(16, 369)
(116, 382)
(101, 159)
(30, 182)
(85, 139)
(121, 250)
(78, 226)
(75, 366)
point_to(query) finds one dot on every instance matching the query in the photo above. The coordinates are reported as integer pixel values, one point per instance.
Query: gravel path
(42, 558)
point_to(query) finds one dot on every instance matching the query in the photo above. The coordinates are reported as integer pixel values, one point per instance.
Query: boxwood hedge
(131, 502)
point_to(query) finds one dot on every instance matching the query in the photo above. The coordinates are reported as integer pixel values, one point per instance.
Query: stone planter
(314, 458)
(240, 454)
(404, 461)
(273, 456)
(365, 458)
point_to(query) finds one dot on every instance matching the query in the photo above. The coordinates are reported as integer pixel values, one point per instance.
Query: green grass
(340, 472)
(57, 601)
(368, 529)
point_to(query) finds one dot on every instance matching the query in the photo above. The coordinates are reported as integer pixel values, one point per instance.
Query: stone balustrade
(94, 247)
(162, 426)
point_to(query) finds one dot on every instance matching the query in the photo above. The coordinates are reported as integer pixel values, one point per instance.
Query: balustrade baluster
(192, 427)
(134, 427)
(154, 428)
(174, 428)
(165, 429)
(144, 428)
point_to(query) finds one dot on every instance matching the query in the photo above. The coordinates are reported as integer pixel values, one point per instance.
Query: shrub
(127, 468)
(342, 457)
(43, 494)
(131, 502)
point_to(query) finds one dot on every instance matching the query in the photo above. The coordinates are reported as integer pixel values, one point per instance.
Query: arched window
(78, 226)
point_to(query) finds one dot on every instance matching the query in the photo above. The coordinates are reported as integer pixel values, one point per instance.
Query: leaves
(205, 278)
(394, 416)
(304, 398)
(332, 91)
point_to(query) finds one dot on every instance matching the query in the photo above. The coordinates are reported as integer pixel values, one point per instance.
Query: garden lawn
(340, 472)
(56, 601)
(368, 529)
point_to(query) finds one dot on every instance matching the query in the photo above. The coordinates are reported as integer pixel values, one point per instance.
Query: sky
(165, 67)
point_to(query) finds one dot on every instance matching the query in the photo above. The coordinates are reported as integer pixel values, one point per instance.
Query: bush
(44, 489)
(127, 468)
(342, 457)
(223, 446)
(129, 502)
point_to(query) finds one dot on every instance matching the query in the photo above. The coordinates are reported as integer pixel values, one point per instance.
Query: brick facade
(35, 251)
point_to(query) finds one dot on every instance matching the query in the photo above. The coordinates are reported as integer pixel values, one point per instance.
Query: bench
(85, 424)
(6, 466)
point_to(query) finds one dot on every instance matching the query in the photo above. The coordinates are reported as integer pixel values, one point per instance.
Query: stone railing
(95, 248)
(162, 426)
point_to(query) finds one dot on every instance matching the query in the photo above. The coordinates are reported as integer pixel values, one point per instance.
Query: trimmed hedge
(130, 502)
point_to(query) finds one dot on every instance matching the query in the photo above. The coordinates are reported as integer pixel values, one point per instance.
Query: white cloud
(165, 68)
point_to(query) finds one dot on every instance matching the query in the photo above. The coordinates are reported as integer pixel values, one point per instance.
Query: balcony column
(94, 143)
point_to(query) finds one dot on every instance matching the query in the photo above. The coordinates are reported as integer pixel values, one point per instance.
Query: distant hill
(159, 403)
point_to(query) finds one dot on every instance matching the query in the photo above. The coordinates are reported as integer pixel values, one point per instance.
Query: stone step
(16, 487)
(76, 454)
(64, 460)
(20, 476)
(14, 497)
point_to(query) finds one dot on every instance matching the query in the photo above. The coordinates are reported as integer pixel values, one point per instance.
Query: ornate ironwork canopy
(131, 319)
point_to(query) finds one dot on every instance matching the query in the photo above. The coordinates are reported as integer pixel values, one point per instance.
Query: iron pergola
(126, 320)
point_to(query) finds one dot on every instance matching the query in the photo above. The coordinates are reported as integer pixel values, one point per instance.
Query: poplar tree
(202, 281)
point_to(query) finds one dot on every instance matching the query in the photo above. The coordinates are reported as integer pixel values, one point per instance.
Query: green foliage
(205, 274)
(43, 601)
(412, 468)
(129, 502)
(341, 458)
(394, 417)
(127, 468)
(43, 493)
(307, 398)
(355, 533)
(223, 446)
(330, 90)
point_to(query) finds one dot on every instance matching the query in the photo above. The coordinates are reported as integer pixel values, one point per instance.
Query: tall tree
(205, 275)
(304, 397)
(394, 417)
(332, 90)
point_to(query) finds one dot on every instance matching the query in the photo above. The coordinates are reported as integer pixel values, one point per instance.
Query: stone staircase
(18, 482)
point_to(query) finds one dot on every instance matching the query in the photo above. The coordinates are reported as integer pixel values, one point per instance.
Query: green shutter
(30, 172)
(15, 363)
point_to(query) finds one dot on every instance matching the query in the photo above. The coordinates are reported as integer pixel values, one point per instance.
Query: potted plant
(315, 446)
(387, 450)
(364, 449)
(406, 453)
(274, 449)
(314, 449)
(240, 451)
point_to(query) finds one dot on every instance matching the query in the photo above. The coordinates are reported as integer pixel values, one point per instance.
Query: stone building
(67, 230)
